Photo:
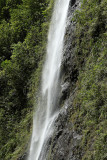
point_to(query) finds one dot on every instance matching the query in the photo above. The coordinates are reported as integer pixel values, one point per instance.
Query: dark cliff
(80, 128)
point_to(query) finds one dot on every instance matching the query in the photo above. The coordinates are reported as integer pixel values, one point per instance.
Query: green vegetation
(23, 29)
(23, 35)
(89, 113)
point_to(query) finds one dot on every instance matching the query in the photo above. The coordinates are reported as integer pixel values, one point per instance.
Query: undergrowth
(89, 112)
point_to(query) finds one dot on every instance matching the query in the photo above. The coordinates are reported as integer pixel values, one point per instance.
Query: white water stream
(46, 113)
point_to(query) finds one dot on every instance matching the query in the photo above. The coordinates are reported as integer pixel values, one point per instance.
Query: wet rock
(65, 140)
(72, 2)
(65, 90)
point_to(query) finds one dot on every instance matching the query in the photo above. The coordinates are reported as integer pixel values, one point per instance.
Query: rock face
(64, 143)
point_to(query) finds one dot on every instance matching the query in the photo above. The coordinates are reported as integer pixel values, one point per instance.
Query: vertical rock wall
(64, 143)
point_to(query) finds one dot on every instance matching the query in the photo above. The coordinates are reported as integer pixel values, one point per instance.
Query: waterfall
(46, 113)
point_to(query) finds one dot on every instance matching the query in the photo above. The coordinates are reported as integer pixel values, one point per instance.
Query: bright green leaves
(23, 36)
(20, 23)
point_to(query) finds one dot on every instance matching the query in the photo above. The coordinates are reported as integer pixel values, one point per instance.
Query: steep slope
(80, 132)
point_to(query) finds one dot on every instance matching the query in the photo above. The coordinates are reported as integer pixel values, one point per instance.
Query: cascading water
(47, 112)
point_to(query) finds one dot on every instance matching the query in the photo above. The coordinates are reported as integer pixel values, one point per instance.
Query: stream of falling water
(46, 113)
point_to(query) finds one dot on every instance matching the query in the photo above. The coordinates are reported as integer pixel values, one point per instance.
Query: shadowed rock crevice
(73, 2)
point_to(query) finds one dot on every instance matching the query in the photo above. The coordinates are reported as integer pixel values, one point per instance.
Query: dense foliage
(23, 29)
(89, 113)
